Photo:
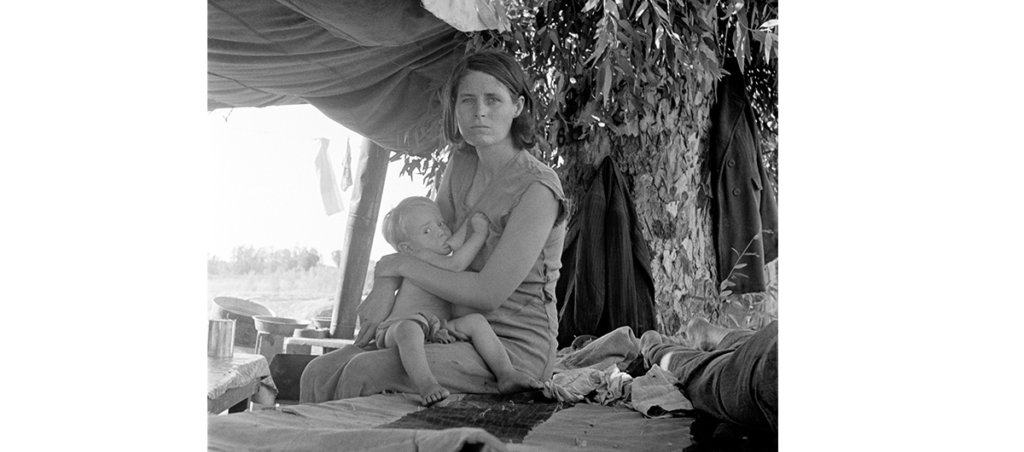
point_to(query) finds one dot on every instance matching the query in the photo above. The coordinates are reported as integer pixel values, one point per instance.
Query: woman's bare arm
(528, 228)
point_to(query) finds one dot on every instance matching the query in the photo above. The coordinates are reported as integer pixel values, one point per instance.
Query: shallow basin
(241, 311)
(280, 326)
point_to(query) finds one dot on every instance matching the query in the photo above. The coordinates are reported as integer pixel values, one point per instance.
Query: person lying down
(415, 227)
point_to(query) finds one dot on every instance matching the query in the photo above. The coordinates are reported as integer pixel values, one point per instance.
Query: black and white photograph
(512, 225)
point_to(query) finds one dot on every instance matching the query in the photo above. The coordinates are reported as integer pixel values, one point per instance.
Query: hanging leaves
(606, 81)
(635, 79)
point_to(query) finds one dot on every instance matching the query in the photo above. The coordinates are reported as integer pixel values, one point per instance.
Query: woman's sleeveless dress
(526, 323)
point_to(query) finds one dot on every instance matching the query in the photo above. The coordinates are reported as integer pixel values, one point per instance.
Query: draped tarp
(375, 67)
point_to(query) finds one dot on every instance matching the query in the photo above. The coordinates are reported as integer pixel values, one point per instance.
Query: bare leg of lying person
(734, 380)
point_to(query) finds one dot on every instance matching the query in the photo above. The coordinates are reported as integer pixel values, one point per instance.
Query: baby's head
(416, 224)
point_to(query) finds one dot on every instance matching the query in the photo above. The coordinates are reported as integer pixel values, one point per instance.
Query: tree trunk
(668, 181)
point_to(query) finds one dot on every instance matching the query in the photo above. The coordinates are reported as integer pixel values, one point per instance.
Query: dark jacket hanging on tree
(744, 200)
(606, 278)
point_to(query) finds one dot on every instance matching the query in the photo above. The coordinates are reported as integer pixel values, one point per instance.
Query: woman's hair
(393, 226)
(506, 70)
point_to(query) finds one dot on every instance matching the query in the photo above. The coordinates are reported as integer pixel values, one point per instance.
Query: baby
(416, 227)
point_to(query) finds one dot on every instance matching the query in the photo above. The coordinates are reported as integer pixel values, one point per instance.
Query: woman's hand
(375, 308)
(528, 228)
(391, 265)
(367, 332)
(479, 222)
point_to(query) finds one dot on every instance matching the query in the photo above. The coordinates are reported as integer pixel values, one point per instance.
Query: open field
(294, 293)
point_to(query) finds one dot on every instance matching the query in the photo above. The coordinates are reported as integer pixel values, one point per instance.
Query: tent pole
(362, 223)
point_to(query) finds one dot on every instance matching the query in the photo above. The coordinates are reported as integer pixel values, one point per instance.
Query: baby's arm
(464, 253)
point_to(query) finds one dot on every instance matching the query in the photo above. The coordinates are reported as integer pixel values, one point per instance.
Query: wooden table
(304, 345)
(231, 381)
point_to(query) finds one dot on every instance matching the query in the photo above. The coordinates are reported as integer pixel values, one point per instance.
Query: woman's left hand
(391, 265)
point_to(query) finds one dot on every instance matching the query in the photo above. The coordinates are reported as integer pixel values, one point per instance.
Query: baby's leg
(490, 349)
(407, 335)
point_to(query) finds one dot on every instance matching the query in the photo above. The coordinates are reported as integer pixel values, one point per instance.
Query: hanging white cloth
(329, 189)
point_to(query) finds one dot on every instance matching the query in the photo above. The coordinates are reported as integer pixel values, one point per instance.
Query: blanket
(509, 418)
(627, 406)
(596, 372)
(374, 423)
(338, 425)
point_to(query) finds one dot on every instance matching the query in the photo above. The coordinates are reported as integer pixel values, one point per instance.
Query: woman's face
(484, 110)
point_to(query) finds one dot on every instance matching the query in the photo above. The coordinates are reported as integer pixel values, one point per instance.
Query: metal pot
(242, 312)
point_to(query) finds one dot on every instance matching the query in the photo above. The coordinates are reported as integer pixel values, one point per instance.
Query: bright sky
(264, 189)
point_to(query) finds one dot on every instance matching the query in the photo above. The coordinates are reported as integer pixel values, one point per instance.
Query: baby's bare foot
(434, 394)
(517, 381)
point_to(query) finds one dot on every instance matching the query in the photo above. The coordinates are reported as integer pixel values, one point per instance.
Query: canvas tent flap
(379, 23)
(375, 67)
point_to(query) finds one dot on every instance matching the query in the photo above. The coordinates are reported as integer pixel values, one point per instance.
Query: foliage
(750, 310)
(760, 67)
(634, 80)
(248, 259)
(728, 282)
(217, 266)
(612, 63)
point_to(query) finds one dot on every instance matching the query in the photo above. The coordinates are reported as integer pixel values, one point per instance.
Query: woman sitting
(488, 116)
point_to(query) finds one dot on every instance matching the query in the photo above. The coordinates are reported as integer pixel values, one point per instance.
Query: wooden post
(362, 224)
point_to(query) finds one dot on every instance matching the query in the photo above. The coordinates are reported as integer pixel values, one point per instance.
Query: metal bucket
(220, 339)
(241, 311)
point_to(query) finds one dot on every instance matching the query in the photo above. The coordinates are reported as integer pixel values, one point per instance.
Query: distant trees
(249, 259)
(308, 259)
(217, 266)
